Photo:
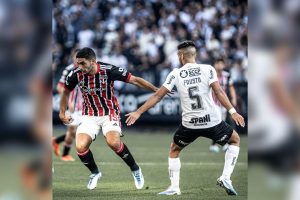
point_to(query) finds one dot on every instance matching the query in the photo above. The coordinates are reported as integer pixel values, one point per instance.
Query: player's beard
(89, 70)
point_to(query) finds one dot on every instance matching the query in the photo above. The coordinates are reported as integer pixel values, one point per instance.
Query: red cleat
(55, 146)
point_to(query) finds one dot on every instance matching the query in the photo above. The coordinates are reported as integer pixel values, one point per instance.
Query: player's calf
(174, 150)
(113, 141)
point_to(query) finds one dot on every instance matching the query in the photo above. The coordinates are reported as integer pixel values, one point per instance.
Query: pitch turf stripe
(154, 163)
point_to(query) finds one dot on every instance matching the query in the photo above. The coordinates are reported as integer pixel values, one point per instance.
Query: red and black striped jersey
(98, 90)
(225, 82)
(75, 99)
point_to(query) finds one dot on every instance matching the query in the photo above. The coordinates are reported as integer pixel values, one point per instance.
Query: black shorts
(219, 134)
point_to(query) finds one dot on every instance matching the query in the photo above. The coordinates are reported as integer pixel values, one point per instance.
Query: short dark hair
(86, 53)
(219, 60)
(185, 44)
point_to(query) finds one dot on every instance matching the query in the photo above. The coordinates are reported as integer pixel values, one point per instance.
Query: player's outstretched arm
(223, 99)
(142, 83)
(233, 95)
(63, 106)
(152, 101)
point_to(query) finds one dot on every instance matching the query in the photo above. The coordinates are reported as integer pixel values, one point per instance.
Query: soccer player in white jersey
(195, 83)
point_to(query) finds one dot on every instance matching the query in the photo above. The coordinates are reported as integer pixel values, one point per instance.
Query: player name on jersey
(192, 81)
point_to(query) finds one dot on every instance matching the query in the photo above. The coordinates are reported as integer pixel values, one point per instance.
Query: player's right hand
(65, 119)
(132, 117)
(238, 119)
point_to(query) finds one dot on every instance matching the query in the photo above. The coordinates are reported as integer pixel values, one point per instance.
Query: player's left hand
(132, 117)
(238, 119)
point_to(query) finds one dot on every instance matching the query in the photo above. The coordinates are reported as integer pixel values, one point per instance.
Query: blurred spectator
(143, 35)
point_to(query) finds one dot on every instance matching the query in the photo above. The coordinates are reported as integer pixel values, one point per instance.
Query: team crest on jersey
(194, 72)
(103, 79)
(183, 74)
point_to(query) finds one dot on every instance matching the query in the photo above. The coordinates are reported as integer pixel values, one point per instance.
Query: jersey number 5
(196, 97)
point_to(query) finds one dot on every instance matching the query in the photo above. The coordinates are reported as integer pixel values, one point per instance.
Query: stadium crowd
(142, 35)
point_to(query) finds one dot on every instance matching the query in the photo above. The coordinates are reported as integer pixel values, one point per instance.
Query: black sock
(66, 150)
(88, 160)
(60, 138)
(125, 154)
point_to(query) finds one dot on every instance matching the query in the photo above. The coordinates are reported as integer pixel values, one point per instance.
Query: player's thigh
(90, 126)
(183, 137)
(71, 131)
(220, 133)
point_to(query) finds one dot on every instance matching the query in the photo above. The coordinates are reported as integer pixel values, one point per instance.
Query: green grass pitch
(199, 171)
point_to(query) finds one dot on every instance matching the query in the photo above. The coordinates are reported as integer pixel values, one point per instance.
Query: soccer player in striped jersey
(74, 108)
(200, 117)
(100, 111)
(226, 84)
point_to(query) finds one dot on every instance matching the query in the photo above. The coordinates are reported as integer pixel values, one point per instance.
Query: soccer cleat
(214, 148)
(227, 185)
(67, 158)
(171, 191)
(138, 178)
(55, 146)
(92, 184)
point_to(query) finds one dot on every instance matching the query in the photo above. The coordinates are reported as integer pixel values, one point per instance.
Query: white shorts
(76, 116)
(91, 125)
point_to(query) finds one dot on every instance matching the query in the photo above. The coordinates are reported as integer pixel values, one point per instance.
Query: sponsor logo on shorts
(223, 138)
(183, 143)
(200, 121)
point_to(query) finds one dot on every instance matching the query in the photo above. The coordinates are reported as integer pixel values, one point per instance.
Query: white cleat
(227, 185)
(138, 179)
(214, 148)
(92, 184)
(171, 191)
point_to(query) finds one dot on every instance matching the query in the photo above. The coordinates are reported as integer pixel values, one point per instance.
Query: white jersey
(193, 85)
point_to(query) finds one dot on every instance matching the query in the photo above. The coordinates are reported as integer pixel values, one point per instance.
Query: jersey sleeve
(170, 81)
(212, 76)
(119, 74)
(63, 77)
(71, 81)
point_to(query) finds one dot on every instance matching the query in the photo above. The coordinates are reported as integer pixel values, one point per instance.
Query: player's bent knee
(81, 147)
(234, 139)
(83, 142)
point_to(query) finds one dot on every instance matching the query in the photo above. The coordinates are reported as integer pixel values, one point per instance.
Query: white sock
(294, 192)
(231, 156)
(174, 172)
